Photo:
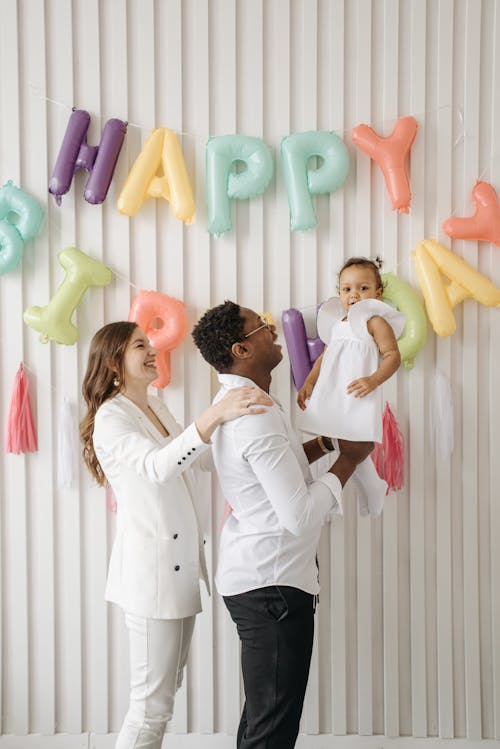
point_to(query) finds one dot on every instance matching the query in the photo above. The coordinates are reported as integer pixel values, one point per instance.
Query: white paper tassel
(441, 416)
(66, 447)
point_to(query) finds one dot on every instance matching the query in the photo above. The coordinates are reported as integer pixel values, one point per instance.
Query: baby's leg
(355, 452)
(371, 489)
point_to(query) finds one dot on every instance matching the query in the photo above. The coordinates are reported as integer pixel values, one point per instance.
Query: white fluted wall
(408, 628)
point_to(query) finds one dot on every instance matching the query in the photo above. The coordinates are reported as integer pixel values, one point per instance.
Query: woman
(131, 440)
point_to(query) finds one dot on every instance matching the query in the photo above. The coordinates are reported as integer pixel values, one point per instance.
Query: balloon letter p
(163, 319)
(224, 185)
(301, 182)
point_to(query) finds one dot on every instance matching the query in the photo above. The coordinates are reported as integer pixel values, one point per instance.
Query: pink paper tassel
(111, 502)
(388, 457)
(20, 434)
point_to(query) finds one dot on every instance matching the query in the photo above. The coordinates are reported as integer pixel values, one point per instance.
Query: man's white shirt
(272, 533)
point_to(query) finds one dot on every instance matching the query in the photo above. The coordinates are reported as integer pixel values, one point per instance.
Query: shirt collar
(234, 380)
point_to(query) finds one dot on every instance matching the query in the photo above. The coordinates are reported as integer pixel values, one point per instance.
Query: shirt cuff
(332, 482)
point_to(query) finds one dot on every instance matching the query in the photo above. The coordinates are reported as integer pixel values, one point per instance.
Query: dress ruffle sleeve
(362, 311)
(329, 313)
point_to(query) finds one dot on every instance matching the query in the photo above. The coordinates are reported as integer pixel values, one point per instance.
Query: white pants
(158, 654)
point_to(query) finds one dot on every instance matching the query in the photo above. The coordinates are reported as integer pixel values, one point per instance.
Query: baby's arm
(309, 383)
(385, 339)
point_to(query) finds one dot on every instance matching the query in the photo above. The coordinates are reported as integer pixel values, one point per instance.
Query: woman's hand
(242, 401)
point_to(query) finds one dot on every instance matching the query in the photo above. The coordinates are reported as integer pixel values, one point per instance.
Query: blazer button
(179, 463)
(189, 452)
(184, 457)
(193, 449)
(175, 535)
(177, 568)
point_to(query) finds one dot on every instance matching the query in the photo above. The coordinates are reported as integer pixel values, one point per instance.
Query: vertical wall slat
(333, 89)
(363, 226)
(493, 395)
(15, 518)
(391, 253)
(416, 104)
(41, 482)
(444, 134)
(470, 434)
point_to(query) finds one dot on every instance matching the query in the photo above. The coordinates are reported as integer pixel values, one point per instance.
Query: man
(267, 571)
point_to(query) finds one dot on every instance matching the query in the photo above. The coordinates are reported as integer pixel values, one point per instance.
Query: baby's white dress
(351, 353)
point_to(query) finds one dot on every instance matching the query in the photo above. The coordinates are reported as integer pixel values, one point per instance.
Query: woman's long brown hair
(105, 365)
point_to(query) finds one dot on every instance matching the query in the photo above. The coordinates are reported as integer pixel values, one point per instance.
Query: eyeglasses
(265, 324)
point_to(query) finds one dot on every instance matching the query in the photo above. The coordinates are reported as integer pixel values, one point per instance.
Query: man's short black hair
(215, 333)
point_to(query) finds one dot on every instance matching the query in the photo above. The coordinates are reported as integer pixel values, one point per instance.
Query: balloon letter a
(390, 154)
(161, 149)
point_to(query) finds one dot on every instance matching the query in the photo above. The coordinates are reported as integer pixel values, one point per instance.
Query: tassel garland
(388, 457)
(20, 432)
(111, 502)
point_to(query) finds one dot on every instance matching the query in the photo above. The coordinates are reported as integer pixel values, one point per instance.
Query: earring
(116, 382)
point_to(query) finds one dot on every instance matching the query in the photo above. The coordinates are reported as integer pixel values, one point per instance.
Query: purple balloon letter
(99, 161)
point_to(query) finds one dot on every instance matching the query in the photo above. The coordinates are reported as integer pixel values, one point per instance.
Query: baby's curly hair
(215, 333)
(375, 264)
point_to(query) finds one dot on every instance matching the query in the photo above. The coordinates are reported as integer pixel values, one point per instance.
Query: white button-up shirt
(271, 536)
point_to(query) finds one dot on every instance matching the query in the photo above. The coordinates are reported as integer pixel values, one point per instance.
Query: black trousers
(276, 628)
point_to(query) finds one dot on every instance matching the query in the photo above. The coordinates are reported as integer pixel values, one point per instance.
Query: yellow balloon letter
(161, 149)
(432, 259)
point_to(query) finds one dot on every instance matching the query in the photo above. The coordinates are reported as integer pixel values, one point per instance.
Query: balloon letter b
(390, 154)
(163, 319)
(161, 149)
(99, 161)
(223, 184)
(54, 320)
(301, 182)
(13, 235)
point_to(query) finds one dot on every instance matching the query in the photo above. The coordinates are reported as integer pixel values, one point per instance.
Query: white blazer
(157, 557)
